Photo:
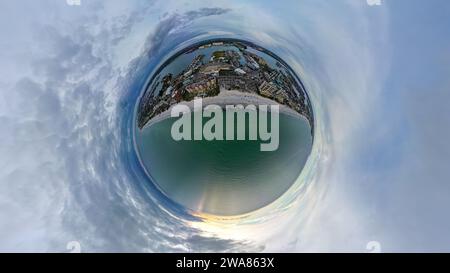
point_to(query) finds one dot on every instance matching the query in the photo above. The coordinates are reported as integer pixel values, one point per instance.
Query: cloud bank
(70, 76)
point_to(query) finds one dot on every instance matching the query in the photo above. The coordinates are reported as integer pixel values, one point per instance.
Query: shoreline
(224, 98)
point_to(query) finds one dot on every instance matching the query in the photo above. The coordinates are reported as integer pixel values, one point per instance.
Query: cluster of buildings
(231, 67)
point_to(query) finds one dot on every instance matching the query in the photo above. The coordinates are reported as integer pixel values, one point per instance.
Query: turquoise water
(224, 177)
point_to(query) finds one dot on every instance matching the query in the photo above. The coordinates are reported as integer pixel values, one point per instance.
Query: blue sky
(378, 76)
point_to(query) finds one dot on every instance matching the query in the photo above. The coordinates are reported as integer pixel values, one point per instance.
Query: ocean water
(224, 177)
(378, 169)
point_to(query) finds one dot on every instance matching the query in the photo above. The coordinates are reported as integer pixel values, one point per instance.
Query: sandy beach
(228, 97)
